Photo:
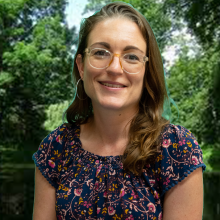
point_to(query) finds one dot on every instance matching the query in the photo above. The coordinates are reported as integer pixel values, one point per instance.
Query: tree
(35, 63)
(202, 17)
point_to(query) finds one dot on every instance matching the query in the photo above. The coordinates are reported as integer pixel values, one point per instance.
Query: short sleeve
(48, 157)
(180, 155)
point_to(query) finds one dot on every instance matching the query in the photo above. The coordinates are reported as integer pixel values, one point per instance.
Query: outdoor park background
(36, 53)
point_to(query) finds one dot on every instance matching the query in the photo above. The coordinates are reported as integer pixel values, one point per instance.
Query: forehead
(119, 33)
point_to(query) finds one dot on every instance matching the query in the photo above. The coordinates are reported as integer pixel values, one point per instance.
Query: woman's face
(115, 35)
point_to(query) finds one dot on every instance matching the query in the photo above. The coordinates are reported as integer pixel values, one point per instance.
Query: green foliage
(5, 78)
(54, 114)
(35, 65)
(202, 17)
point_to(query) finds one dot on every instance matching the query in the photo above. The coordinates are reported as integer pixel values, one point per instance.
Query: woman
(117, 157)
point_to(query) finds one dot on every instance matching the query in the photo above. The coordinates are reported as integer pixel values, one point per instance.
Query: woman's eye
(101, 53)
(131, 57)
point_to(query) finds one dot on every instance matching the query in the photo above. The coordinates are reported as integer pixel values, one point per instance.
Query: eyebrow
(107, 45)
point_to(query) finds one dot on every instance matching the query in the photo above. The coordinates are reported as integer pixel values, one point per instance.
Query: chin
(112, 104)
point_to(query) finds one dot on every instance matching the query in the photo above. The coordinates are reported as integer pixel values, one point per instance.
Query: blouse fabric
(90, 186)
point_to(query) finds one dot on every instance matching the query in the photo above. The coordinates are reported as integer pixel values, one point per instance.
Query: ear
(80, 65)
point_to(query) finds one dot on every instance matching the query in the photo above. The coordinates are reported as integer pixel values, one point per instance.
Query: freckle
(120, 115)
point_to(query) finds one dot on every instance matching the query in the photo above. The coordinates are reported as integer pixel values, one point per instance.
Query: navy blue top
(90, 186)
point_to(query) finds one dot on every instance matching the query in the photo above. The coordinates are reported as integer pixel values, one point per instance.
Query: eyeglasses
(131, 63)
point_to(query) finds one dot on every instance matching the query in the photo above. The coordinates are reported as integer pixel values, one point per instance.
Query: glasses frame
(88, 51)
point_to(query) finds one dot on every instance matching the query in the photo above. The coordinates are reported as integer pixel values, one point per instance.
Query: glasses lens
(132, 63)
(99, 58)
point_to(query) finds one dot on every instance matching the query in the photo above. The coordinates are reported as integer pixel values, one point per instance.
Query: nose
(115, 63)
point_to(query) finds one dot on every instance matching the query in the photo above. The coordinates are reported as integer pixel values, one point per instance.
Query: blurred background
(37, 43)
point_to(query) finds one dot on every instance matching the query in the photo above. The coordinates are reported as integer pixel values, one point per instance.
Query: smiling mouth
(112, 85)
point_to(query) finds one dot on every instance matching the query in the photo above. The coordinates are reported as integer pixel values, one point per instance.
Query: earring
(76, 90)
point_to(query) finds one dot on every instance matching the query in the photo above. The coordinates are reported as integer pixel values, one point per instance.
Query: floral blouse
(90, 186)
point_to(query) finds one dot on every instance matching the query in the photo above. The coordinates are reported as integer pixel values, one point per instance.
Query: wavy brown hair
(147, 125)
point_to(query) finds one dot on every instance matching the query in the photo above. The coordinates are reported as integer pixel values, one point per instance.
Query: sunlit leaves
(203, 17)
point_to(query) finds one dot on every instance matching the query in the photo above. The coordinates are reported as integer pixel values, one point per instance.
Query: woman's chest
(106, 193)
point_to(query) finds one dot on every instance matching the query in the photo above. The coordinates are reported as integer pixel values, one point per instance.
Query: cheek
(140, 86)
(90, 81)
(138, 82)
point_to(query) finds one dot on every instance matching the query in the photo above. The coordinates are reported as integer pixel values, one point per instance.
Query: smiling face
(119, 36)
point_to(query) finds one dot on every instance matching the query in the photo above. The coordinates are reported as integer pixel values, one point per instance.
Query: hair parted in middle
(147, 125)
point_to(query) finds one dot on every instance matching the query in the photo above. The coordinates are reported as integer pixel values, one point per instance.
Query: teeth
(112, 85)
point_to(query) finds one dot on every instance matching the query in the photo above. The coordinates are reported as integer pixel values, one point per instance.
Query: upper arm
(185, 200)
(44, 198)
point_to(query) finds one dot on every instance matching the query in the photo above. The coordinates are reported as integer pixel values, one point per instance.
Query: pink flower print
(122, 193)
(134, 195)
(58, 139)
(97, 162)
(151, 207)
(98, 210)
(96, 185)
(87, 204)
(98, 170)
(196, 142)
(152, 182)
(166, 143)
(182, 142)
(160, 216)
(130, 218)
(77, 192)
(51, 163)
(167, 181)
(194, 160)
(156, 196)
(105, 194)
(111, 210)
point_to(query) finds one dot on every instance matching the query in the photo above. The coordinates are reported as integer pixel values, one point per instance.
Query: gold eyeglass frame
(88, 50)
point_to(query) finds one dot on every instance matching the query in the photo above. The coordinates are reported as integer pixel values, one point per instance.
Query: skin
(113, 110)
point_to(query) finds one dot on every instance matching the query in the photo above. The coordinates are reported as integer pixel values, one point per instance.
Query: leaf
(6, 78)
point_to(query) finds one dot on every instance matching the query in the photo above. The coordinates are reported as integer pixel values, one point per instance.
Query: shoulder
(176, 131)
(180, 154)
(53, 152)
(59, 136)
(179, 138)
(181, 176)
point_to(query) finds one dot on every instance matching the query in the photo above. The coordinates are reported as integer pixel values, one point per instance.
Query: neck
(110, 128)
